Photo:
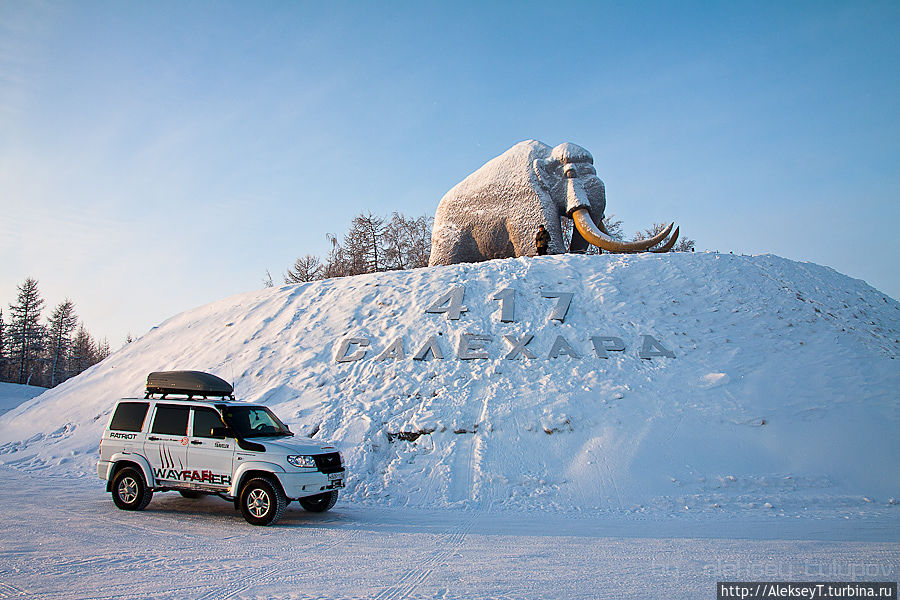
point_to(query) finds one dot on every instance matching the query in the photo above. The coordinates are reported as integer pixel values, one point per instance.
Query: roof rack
(188, 383)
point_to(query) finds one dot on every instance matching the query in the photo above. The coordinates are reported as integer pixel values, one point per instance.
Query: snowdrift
(782, 393)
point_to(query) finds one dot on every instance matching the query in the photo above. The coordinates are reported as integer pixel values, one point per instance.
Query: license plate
(335, 476)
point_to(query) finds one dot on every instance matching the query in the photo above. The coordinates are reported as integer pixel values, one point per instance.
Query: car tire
(319, 502)
(191, 494)
(129, 490)
(262, 501)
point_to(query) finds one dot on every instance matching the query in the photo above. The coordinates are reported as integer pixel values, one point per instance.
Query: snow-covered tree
(26, 332)
(59, 337)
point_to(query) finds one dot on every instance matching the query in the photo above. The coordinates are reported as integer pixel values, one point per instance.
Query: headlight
(302, 461)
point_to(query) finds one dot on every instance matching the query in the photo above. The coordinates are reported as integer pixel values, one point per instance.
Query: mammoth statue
(495, 212)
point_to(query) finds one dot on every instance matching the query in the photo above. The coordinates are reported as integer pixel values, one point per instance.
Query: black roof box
(190, 383)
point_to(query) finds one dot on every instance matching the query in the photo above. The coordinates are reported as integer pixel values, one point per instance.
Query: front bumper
(299, 485)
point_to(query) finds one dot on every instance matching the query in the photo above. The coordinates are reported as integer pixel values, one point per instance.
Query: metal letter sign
(394, 351)
(562, 305)
(342, 355)
(472, 346)
(507, 298)
(430, 345)
(562, 346)
(606, 343)
(450, 303)
(518, 346)
(651, 347)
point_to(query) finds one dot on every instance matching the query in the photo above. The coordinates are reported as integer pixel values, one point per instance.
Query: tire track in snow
(448, 544)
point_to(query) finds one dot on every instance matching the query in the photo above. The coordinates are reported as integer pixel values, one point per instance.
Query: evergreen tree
(26, 332)
(62, 323)
(103, 351)
(83, 352)
(3, 351)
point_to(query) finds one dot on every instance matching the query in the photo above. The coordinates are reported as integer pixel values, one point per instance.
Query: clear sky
(155, 156)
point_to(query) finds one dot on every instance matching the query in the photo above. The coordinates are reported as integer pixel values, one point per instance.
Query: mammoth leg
(578, 244)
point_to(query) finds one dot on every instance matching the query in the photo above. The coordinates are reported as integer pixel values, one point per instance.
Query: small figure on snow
(541, 240)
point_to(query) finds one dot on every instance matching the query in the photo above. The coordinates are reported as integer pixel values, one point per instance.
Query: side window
(170, 419)
(129, 416)
(205, 419)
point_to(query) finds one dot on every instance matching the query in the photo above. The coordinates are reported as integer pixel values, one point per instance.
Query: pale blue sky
(156, 156)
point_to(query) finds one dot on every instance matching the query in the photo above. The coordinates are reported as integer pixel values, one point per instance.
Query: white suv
(203, 442)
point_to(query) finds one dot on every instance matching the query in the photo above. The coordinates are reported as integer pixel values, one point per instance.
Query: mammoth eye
(570, 173)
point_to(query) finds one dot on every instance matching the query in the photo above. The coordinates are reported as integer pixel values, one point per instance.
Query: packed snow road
(63, 538)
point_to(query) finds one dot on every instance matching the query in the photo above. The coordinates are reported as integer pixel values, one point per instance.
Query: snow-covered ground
(561, 475)
(63, 538)
(13, 394)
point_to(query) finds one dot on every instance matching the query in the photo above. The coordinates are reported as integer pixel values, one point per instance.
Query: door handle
(196, 442)
(153, 438)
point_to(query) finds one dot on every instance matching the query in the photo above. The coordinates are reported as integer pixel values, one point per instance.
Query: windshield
(254, 421)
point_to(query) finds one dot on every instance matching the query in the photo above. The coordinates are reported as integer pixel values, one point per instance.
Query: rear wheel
(319, 502)
(262, 501)
(129, 491)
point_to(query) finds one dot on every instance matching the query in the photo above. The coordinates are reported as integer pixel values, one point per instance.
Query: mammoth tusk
(668, 245)
(589, 231)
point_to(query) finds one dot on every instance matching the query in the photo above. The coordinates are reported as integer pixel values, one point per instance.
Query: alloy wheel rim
(258, 503)
(128, 490)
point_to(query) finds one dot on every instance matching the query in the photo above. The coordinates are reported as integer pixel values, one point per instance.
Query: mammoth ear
(543, 168)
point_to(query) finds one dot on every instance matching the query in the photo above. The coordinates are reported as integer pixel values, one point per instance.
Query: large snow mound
(782, 394)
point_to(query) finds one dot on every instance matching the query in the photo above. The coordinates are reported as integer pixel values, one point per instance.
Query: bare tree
(336, 262)
(649, 232)
(306, 268)
(407, 242)
(684, 245)
(267, 280)
(363, 244)
(62, 323)
(419, 233)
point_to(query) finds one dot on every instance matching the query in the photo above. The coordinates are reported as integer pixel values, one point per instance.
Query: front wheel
(319, 502)
(129, 491)
(262, 501)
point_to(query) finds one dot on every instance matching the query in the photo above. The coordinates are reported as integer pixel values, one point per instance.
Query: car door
(210, 457)
(166, 444)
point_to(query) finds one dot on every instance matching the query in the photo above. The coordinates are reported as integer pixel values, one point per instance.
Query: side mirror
(223, 432)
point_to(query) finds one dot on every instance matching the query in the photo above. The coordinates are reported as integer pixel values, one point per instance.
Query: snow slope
(782, 395)
(14, 394)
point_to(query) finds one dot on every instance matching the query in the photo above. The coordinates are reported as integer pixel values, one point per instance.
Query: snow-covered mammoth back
(496, 211)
